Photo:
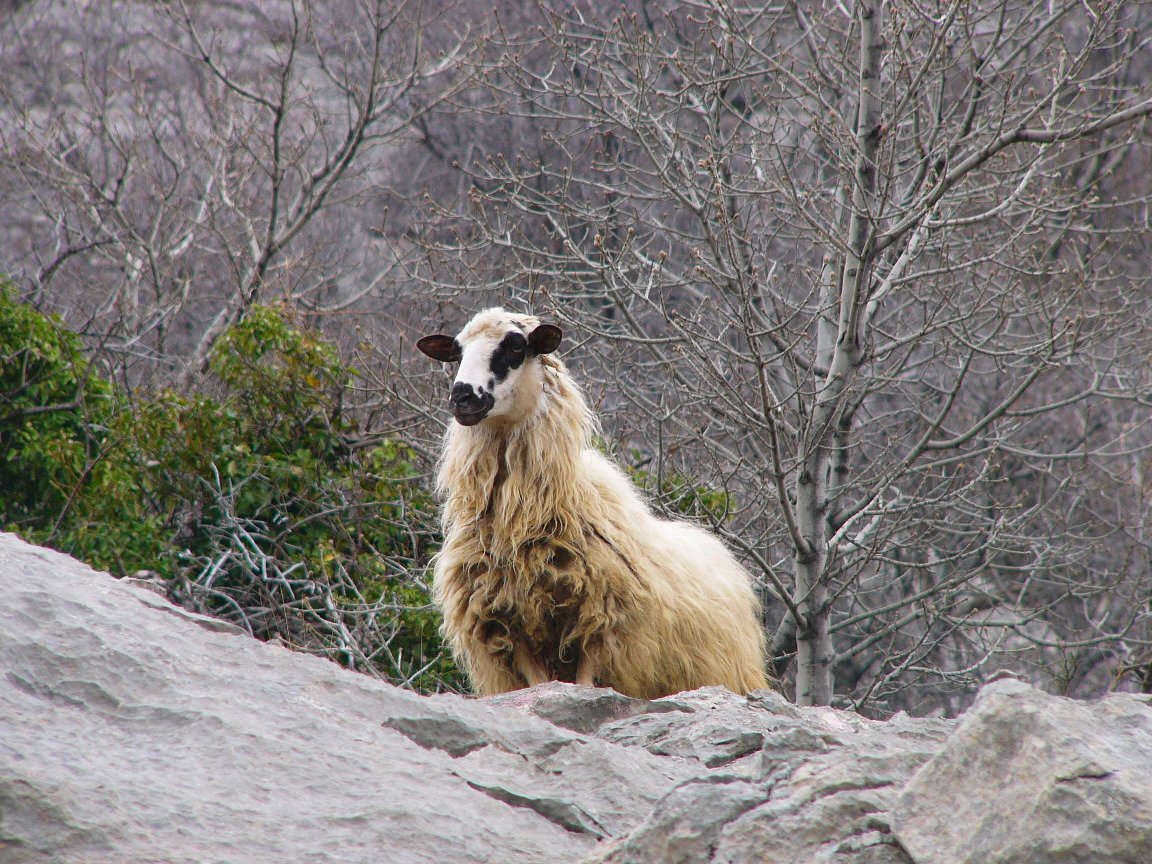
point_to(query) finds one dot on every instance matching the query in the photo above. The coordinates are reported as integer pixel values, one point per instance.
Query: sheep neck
(501, 476)
(517, 483)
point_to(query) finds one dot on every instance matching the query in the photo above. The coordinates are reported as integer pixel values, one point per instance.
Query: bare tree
(870, 271)
(168, 169)
(179, 163)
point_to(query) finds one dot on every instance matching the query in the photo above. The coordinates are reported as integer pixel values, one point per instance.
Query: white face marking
(488, 382)
(495, 366)
(476, 365)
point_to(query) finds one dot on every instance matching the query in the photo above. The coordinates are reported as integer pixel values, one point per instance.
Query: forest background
(863, 287)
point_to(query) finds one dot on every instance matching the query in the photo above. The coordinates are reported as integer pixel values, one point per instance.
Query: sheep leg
(529, 667)
(587, 669)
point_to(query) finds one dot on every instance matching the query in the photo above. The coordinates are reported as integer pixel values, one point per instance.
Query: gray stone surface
(1029, 777)
(134, 731)
(788, 784)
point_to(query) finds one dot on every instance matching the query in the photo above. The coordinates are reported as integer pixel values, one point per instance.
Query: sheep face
(498, 379)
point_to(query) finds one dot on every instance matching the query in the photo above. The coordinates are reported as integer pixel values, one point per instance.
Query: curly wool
(549, 549)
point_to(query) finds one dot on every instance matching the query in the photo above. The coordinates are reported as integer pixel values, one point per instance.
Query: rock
(1031, 777)
(816, 787)
(133, 730)
(581, 709)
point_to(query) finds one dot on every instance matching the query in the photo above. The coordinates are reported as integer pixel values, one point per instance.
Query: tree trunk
(837, 365)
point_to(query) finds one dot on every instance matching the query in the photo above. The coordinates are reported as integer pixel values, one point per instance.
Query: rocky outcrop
(1043, 779)
(132, 730)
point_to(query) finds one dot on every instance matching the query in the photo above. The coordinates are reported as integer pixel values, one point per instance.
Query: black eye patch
(509, 355)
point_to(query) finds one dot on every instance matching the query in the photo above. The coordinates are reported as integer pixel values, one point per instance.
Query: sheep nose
(469, 407)
(464, 397)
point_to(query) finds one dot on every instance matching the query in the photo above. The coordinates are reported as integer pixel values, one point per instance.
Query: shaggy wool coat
(549, 549)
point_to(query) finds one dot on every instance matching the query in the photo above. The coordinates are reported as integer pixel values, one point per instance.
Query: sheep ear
(545, 338)
(440, 347)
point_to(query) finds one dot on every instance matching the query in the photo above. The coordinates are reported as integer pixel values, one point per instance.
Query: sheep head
(498, 378)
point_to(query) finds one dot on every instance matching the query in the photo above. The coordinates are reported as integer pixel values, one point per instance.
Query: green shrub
(678, 494)
(67, 478)
(260, 502)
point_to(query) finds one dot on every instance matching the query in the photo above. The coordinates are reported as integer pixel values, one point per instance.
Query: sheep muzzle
(468, 406)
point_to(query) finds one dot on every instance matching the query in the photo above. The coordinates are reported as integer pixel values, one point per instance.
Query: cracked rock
(1031, 777)
(130, 731)
(818, 789)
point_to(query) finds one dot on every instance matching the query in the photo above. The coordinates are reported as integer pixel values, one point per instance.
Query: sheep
(553, 568)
